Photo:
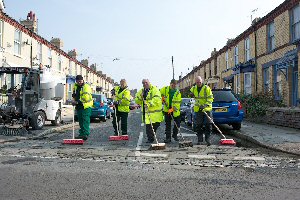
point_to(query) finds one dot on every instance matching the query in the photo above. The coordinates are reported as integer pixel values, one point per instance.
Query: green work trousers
(84, 118)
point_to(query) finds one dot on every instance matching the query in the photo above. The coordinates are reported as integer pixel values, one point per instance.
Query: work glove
(203, 106)
(73, 95)
(163, 99)
(116, 103)
(170, 110)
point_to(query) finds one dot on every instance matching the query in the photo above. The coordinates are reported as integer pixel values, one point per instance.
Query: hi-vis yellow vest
(205, 96)
(176, 101)
(153, 101)
(85, 95)
(123, 98)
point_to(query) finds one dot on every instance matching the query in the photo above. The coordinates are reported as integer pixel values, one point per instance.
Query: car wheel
(57, 120)
(104, 118)
(236, 126)
(38, 120)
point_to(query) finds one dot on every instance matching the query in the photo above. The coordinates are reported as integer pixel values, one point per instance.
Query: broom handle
(73, 122)
(177, 127)
(214, 124)
(146, 110)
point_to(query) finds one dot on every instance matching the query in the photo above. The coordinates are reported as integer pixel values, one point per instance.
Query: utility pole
(173, 68)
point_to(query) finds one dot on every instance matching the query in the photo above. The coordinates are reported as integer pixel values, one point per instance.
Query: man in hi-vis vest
(83, 102)
(171, 99)
(203, 103)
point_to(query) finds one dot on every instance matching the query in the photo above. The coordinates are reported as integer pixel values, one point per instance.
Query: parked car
(226, 109)
(186, 104)
(100, 109)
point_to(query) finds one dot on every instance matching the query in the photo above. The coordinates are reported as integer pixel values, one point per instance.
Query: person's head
(79, 80)
(173, 84)
(123, 83)
(146, 83)
(198, 81)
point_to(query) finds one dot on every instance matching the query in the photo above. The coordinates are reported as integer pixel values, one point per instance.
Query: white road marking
(142, 124)
(250, 158)
(189, 135)
(154, 155)
(138, 145)
(202, 157)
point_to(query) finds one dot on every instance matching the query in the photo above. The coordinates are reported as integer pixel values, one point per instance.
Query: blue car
(226, 109)
(101, 109)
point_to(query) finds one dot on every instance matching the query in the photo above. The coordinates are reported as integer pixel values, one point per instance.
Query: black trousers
(149, 131)
(203, 125)
(123, 116)
(168, 120)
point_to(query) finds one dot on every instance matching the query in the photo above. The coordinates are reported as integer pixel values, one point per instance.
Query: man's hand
(203, 106)
(74, 103)
(163, 99)
(116, 103)
(170, 110)
(73, 95)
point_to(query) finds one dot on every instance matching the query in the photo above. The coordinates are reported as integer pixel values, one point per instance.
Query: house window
(1, 33)
(70, 68)
(216, 69)
(247, 49)
(271, 36)
(17, 42)
(50, 58)
(247, 83)
(59, 63)
(238, 84)
(39, 52)
(226, 60)
(277, 85)
(209, 69)
(267, 80)
(236, 55)
(70, 91)
(295, 23)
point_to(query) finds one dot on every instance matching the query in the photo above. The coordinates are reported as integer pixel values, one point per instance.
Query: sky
(142, 34)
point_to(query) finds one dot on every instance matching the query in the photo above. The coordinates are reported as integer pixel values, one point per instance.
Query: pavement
(276, 138)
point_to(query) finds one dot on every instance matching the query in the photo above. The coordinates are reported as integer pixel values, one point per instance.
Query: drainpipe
(255, 63)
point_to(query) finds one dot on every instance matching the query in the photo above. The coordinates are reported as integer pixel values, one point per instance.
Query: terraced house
(264, 58)
(22, 46)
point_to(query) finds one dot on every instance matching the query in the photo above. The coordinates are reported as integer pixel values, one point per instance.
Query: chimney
(99, 72)
(255, 20)
(73, 53)
(31, 22)
(57, 42)
(93, 67)
(213, 52)
(85, 62)
(2, 6)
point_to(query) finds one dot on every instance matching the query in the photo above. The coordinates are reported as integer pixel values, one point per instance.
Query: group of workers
(157, 106)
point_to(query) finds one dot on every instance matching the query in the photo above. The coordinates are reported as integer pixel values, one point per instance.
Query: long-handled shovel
(73, 140)
(223, 141)
(183, 143)
(157, 146)
(117, 137)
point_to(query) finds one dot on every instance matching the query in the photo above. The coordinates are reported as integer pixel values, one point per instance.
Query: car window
(104, 99)
(223, 95)
(185, 101)
(96, 97)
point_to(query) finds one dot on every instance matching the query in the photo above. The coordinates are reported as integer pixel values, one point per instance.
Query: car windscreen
(96, 97)
(225, 96)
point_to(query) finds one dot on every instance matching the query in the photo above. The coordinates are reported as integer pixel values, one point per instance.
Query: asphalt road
(103, 169)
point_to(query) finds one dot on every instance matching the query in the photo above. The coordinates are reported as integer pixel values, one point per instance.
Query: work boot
(200, 139)
(207, 140)
(167, 140)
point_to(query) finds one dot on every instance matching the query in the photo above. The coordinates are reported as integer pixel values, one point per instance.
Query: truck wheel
(57, 120)
(38, 120)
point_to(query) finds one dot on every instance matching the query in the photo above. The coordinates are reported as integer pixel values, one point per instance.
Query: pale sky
(142, 34)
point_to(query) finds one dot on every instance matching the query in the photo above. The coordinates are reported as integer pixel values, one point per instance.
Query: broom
(157, 146)
(73, 140)
(223, 141)
(117, 137)
(183, 143)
